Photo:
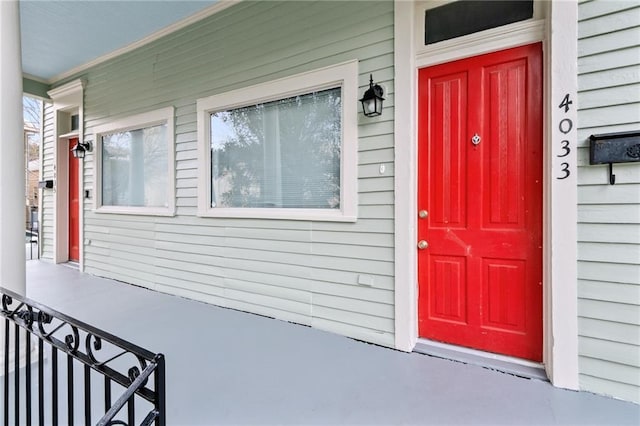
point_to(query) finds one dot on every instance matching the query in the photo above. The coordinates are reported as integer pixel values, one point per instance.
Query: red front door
(74, 204)
(480, 196)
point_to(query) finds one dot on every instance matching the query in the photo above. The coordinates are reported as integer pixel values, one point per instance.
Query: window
(467, 17)
(281, 150)
(135, 165)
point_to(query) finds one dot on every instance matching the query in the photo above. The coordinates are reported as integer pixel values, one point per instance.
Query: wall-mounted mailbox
(45, 184)
(609, 148)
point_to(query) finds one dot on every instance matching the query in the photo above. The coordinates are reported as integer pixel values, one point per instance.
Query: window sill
(280, 214)
(140, 211)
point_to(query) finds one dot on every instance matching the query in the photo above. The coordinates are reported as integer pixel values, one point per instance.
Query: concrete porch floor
(228, 367)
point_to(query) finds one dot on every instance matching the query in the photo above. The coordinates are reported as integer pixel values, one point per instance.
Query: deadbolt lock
(423, 214)
(422, 244)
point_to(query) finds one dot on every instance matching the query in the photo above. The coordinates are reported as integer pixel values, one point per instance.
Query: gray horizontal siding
(300, 271)
(609, 216)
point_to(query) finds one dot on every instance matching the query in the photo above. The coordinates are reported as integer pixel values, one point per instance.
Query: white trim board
(513, 35)
(405, 182)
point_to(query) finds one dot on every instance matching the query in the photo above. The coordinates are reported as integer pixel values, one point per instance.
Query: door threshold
(505, 364)
(71, 264)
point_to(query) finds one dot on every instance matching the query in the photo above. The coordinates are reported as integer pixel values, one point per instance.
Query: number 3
(565, 147)
(565, 170)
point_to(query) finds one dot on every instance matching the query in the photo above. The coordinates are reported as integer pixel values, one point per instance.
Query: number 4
(566, 101)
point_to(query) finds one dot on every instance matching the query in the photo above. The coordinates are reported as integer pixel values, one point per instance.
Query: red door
(480, 196)
(74, 204)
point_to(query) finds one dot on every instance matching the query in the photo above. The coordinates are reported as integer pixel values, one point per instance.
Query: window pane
(281, 154)
(134, 168)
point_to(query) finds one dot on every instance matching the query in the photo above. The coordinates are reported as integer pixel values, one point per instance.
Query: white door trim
(67, 100)
(561, 197)
(555, 24)
(406, 181)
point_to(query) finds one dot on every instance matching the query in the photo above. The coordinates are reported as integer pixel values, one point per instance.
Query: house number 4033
(565, 127)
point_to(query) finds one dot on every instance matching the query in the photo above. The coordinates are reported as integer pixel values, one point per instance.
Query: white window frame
(344, 75)
(134, 122)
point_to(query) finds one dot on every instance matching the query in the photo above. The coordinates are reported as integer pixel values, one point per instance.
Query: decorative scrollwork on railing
(122, 362)
(7, 301)
(97, 345)
(26, 315)
(65, 334)
(71, 340)
(93, 344)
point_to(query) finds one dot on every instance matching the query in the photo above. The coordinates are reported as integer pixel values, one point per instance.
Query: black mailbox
(609, 148)
(45, 184)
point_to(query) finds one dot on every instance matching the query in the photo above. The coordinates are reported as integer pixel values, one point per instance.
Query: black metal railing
(32, 238)
(42, 350)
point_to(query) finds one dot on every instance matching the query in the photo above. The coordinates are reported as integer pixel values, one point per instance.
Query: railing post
(160, 391)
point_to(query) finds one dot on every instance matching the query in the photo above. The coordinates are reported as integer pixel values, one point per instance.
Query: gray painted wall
(301, 271)
(609, 216)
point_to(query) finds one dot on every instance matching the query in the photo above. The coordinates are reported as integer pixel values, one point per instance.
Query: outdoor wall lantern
(372, 99)
(80, 149)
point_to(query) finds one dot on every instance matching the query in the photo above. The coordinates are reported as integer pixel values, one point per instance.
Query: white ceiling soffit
(60, 37)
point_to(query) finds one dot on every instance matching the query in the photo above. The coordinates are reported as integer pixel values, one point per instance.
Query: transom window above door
(281, 150)
(135, 165)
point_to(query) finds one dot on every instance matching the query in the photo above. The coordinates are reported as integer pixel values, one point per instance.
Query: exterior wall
(340, 276)
(609, 216)
(47, 208)
(333, 276)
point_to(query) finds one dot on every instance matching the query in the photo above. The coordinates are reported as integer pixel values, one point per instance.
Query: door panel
(448, 197)
(503, 295)
(74, 205)
(480, 278)
(504, 178)
(449, 281)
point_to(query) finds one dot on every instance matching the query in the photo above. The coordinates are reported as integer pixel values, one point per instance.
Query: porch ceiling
(60, 35)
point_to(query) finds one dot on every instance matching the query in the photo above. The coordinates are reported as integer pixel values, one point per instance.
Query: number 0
(565, 125)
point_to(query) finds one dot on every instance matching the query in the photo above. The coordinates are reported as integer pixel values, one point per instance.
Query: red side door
(480, 196)
(74, 204)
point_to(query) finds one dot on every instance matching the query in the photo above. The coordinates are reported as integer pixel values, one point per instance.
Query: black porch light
(81, 149)
(372, 99)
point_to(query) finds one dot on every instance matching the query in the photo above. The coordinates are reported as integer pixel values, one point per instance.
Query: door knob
(423, 214)
(422, 244)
